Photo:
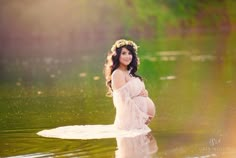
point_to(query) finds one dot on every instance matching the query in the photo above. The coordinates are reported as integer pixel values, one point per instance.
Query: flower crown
(123, 42)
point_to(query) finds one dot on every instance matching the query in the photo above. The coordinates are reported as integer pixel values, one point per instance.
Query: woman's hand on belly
(143, 93)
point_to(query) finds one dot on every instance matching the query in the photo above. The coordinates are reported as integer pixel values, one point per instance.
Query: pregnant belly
(145, 104)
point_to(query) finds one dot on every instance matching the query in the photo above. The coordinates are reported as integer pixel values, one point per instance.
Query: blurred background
(52, 54)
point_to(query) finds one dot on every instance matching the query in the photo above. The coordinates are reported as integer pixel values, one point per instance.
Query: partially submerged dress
(131, 115)
(131, 109)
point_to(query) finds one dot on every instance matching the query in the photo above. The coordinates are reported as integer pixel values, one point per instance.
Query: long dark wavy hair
(112, 63)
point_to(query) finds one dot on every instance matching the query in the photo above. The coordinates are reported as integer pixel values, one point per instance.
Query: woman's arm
(118, 79)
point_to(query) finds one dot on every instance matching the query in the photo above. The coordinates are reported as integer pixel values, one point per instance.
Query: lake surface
(190, 79)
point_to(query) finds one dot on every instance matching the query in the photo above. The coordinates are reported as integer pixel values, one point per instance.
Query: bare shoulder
(117, 73)
(118, 79)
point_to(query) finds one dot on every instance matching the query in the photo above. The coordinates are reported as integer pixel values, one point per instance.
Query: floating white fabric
(91, 132)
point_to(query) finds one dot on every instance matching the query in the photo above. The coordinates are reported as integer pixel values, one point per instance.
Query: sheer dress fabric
(131, 109)
(131, 115)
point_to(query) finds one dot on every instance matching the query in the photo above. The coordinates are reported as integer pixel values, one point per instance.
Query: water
(191, 83)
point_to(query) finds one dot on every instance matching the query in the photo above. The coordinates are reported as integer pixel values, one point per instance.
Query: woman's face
(125, 57)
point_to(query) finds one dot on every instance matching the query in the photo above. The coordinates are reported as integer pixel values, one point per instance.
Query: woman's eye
(123, 53)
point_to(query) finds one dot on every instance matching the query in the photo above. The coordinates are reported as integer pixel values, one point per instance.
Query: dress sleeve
(128, 115)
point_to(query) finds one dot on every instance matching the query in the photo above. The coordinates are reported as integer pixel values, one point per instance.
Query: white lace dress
(131, 109)
(131, 115)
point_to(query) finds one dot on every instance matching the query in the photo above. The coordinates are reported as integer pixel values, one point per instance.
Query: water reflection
(35, 155)
(166, 58)
(139, 147)
(203, 58)
(82, 74)
(172, 53)
(167, 77)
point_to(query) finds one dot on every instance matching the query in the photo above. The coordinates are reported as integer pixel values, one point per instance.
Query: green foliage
(157, 18)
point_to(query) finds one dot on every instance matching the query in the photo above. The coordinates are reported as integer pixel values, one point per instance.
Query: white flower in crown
(123, 42)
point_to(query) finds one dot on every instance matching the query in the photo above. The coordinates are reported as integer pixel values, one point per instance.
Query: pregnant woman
(134, 109)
